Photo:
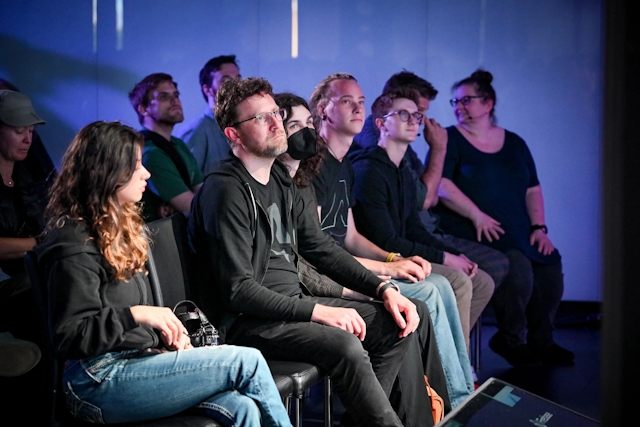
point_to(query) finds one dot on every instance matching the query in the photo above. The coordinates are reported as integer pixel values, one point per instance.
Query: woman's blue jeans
(436, 292)
(230, 384)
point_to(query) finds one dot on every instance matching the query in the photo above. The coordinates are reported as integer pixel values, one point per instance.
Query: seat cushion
(303, 375)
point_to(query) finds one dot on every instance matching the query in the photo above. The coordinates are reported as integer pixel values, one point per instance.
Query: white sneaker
(17, 357)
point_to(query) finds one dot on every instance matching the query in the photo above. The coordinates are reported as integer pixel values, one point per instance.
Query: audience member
(126, 359)
(427, 179)
(38, 162)
(175, 176)
(490, 192)
(248, 224)
(442, 308)
(370, 135)
(392, 203)
(21, 223)
(202, 135)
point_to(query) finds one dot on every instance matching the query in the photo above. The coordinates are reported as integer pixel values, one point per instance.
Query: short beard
(270, 152)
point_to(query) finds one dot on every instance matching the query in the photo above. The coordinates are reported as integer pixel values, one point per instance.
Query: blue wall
(545, 56)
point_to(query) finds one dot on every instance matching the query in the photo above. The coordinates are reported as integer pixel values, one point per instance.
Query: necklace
(334, 154)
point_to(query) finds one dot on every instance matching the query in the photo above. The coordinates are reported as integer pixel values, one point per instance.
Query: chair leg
(287, 404)
(297, 417)
(328, 406)
(478, 344)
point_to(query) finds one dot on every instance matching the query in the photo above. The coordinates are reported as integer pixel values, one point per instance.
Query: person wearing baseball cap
(21, 222)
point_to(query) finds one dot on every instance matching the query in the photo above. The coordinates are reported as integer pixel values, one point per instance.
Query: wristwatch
(386, 285)
(538, 227)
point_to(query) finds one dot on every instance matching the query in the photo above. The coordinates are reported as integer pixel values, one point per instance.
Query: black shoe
(519, 356)
(556, 355)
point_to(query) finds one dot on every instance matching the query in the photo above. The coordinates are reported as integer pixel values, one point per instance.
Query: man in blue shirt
(202, 135)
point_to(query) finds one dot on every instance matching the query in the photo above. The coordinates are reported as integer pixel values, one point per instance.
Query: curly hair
(481, 80)
(100, 160)
(310, 167)
(322, 93)
(232, 93)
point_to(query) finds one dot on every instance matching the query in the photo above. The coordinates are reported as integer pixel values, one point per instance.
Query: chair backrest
(41, 295)
(172, 257)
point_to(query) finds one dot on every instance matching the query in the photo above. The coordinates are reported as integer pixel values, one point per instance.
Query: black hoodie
(89, 310)
(386, 212)
(231, 234)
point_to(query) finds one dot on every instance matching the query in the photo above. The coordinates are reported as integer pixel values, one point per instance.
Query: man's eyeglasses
(261, 119)
(465, 100)
(405, 115)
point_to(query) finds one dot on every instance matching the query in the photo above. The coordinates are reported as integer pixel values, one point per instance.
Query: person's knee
(250, 358)
(500, 268)
(247, 411)
(350, 348)
(483, 286)
(460, 283)
(520, 276)
(426, 292)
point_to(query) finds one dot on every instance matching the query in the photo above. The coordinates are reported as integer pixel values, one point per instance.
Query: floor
(575, 387)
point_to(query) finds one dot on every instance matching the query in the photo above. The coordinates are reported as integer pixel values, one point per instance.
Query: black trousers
(409, 395)
(363, 372)
(526, 302)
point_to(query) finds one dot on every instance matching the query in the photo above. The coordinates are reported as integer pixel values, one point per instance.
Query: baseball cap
(16, 109)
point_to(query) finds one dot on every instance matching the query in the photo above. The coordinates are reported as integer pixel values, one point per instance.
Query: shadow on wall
(42, 75)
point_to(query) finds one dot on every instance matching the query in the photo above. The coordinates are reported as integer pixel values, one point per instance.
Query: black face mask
(302, 144)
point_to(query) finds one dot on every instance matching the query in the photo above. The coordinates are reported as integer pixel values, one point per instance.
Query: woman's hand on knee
(163, 319)
(486, 226)
(541, 241)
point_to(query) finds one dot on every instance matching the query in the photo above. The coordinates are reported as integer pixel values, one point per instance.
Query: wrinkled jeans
(436, 292)
(230, 384)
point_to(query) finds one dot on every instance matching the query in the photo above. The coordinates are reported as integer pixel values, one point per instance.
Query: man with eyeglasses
(248, 224)
(427, 176)
(337, 106)
(202, 135)
(175, 176)
(385, 209)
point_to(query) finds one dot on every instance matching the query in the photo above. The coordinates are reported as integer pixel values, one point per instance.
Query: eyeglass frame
(280, 112)
(454, 101)
(411, 115)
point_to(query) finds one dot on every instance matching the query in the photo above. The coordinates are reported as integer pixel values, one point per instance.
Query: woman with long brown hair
(126, 359)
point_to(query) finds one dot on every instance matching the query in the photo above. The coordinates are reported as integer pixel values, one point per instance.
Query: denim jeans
(435, 291)
(232, 385)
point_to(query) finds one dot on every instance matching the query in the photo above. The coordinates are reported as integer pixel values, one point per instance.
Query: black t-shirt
(334, 193)
(282, 270)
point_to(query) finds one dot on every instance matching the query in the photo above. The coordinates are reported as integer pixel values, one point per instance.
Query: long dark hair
(310, 167)
(100, 160)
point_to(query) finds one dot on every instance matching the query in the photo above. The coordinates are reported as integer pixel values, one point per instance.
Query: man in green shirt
(175, 176)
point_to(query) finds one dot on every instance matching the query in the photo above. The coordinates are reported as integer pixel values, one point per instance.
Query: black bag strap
(167, 146)
(154, 282)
